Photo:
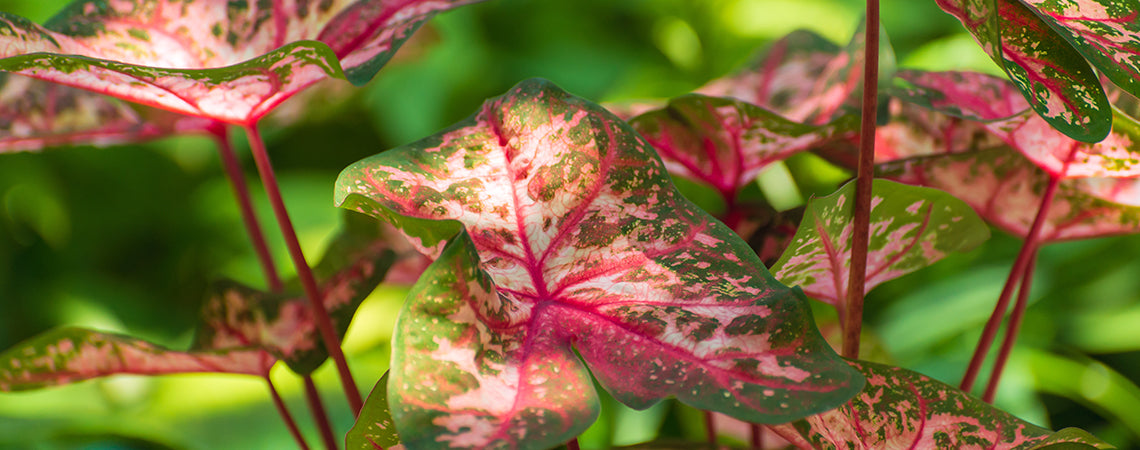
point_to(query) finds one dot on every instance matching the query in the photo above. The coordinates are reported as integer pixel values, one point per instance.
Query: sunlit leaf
(911, 228)
(992, 100)
(725, 143)
(565, 231)
(1057, 82)
(374, 428)
(1006, 190)
(35, 114)
(232, 61)
(903, 409)
(67, 355)
(1106, 32)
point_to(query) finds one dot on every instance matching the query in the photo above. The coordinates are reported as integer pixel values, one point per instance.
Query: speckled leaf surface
(68, 355)
(571, 234)
(232, 61)
(903, 409)
(374, 428)
(1006, 189)
(993, 101)
(1051, 75)
(911, 228)
(1105, 32)
(725, 143)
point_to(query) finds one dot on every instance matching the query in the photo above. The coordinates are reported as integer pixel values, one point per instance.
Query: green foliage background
(127, 238)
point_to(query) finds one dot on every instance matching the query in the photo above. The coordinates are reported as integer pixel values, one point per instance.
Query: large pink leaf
(35, 114)
(231, 61)
(1057, 82)
(1006, 190)
(725, 143)
(994, 101)
(903, 409)
(571, 234)
(911, 228)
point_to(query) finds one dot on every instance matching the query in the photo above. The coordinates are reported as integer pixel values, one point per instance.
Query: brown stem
(710, 427)
(852, 320)
(308, 282)
(756, 435)
(284, 412)
(245, 205)
(1011, 329)
(317, 407)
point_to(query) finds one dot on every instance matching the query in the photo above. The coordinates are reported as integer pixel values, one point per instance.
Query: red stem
(1011, 329)
(284, 411)
(308, 282)
(241, 191)
(313, 398)
(1028, 249)
(756, 433)
(852, 320)
(573, 444)
(710, 428)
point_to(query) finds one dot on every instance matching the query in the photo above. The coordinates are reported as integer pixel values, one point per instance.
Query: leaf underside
(911, 228)
(571, 234)
(230, 61)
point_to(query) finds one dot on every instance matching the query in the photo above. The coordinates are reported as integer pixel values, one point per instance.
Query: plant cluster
(551, 249)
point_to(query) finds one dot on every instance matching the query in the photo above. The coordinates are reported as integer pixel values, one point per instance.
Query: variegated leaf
(374, 428)
(903, 409)
(725, 143)
(68, 355)
(992, 100)
(1006, 189)
(35, 114)
(231, 61)
(1057, 82)
(911, 228)
(1106, 32)
(574, 235)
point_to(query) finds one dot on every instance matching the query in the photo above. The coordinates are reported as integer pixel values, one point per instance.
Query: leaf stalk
(1011, 329)
(284, 411)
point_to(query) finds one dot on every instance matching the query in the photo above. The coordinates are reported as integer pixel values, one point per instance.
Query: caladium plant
(547, 216)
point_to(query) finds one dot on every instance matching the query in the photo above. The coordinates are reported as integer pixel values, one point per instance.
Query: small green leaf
(374, 427)
(1052, 76)
(911, 228)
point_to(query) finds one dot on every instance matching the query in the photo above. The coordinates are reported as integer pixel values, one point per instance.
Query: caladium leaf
(374, 428)
(1106, 32)
(35, 114)
(911, 228)
(231, 61)
(67, 355)
(978, 97)
(725, 143)
(903, 409)
(1054, 78)
(562, 229)
(1006, 189)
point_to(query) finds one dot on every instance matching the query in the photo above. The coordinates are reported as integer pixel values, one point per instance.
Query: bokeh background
(128, 238)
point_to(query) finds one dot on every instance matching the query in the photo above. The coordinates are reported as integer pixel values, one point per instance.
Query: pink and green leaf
(902, 409)
(374, 428)
(1051, 75)
(565, 233)
(994, 103)
(911, 228)
(725, 143)
(1105, 32)
(68, 355)
(230, 61)
(1006, 190)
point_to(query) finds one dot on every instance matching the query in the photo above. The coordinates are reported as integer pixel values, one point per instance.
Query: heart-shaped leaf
(1106, 32)
(992, 100)
(725, 143)
(903, 409)
(565, 231)
(1006, 189)
(35, 114)
(911, 228)
(374, 428)
(67, 355)
(231, 61)
(1058, 83)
